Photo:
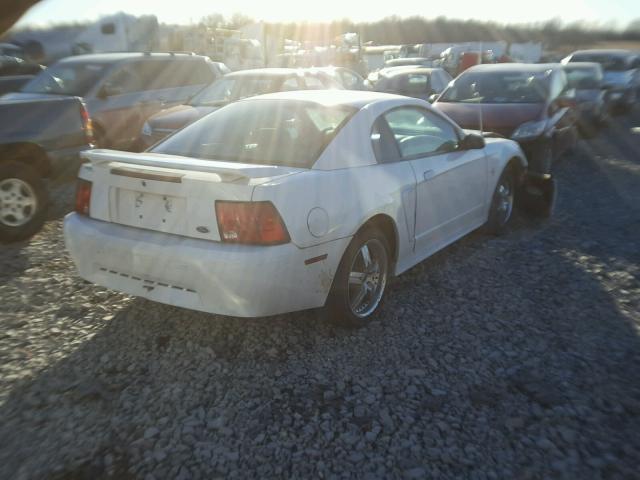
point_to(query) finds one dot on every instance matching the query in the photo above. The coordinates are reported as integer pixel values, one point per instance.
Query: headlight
(529, 130)
(146, 129)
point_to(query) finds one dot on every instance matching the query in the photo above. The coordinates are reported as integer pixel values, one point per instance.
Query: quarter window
(421, 133)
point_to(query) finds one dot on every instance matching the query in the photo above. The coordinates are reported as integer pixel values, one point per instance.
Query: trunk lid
(170, 194)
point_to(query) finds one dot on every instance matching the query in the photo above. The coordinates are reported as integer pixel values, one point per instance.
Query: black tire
(537, 196)
(502, 202)
(16, 175)
(339, 308)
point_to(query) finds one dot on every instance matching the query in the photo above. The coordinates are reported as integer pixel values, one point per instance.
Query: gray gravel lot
(511, 357)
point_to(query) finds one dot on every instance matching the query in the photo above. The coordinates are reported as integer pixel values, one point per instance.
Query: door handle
(428, 174)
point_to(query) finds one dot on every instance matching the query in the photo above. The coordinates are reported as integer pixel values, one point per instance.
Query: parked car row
(248, 178)
(233, 87)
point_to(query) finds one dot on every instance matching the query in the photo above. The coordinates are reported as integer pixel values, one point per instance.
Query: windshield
(266, 132)
(498, 87)
(229, 89)
(583, 77)
(611, 63)
(68, 79)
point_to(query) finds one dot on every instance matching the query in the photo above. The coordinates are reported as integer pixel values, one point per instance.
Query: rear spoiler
(228, 171)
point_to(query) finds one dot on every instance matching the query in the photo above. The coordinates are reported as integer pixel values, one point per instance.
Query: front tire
(23, 202)
(502, 202)
(360, 281)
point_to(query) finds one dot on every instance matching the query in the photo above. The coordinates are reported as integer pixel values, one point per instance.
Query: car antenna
(480, 104)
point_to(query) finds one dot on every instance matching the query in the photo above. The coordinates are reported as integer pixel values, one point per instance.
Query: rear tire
(360, 281)
(23, 202)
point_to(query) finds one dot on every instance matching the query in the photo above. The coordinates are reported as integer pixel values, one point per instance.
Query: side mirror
(472, 141)
(432, 98)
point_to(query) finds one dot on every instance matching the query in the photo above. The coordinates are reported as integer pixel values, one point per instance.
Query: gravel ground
(511, 357)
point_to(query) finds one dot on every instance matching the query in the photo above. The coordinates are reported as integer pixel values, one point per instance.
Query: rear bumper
(235, 280)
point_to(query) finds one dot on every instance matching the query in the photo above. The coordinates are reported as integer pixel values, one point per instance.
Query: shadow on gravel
(514, 357)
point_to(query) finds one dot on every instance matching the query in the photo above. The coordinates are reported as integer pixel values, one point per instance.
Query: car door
(121, 105)
(181, 78)
(451, 183)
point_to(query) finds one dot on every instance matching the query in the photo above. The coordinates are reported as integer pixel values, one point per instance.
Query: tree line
(409, 30)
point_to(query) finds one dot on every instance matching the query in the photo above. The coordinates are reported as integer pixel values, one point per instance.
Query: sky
(190, 11)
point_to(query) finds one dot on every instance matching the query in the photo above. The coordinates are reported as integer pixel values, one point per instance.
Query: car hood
(31, 96)
(502, 118)
(617, 79)
(178, 116)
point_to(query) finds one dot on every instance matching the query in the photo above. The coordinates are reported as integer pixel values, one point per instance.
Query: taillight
(83, 196)
(87, 124)
(256, 223)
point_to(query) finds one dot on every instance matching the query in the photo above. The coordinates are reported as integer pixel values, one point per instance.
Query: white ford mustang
(288, 201)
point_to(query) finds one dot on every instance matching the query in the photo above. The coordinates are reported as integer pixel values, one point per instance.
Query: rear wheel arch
(387, 226)
(28, 153)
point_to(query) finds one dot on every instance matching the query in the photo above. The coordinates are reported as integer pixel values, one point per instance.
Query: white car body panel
(172, 253)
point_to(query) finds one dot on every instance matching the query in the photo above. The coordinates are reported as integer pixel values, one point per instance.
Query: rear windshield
(498, 87)
(611, 63)
(229, 89)
(411, 83)
(66, 79)
(266, 132)
(583, 77)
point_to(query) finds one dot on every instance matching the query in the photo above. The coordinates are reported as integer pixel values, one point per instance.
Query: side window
(313, 83)
(382, 142)
(173, 73)
(290, 83)
(415, 83)
(436, 82)
(125, 79)
(156, 74)
(556, 86)
(445, 77)
(419, 132)
(349, 80)
(194, 72)
(564, 83)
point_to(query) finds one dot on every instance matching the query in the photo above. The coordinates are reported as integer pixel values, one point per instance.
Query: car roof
(409, 70)
(121, 56)
(571, 65)
(514, 67)
(408, 60)
(603, 51)
(330, 98)
(263, 72)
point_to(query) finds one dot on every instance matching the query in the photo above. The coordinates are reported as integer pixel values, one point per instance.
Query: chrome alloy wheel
(18, 202)
(367, 278)
(504, 199)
